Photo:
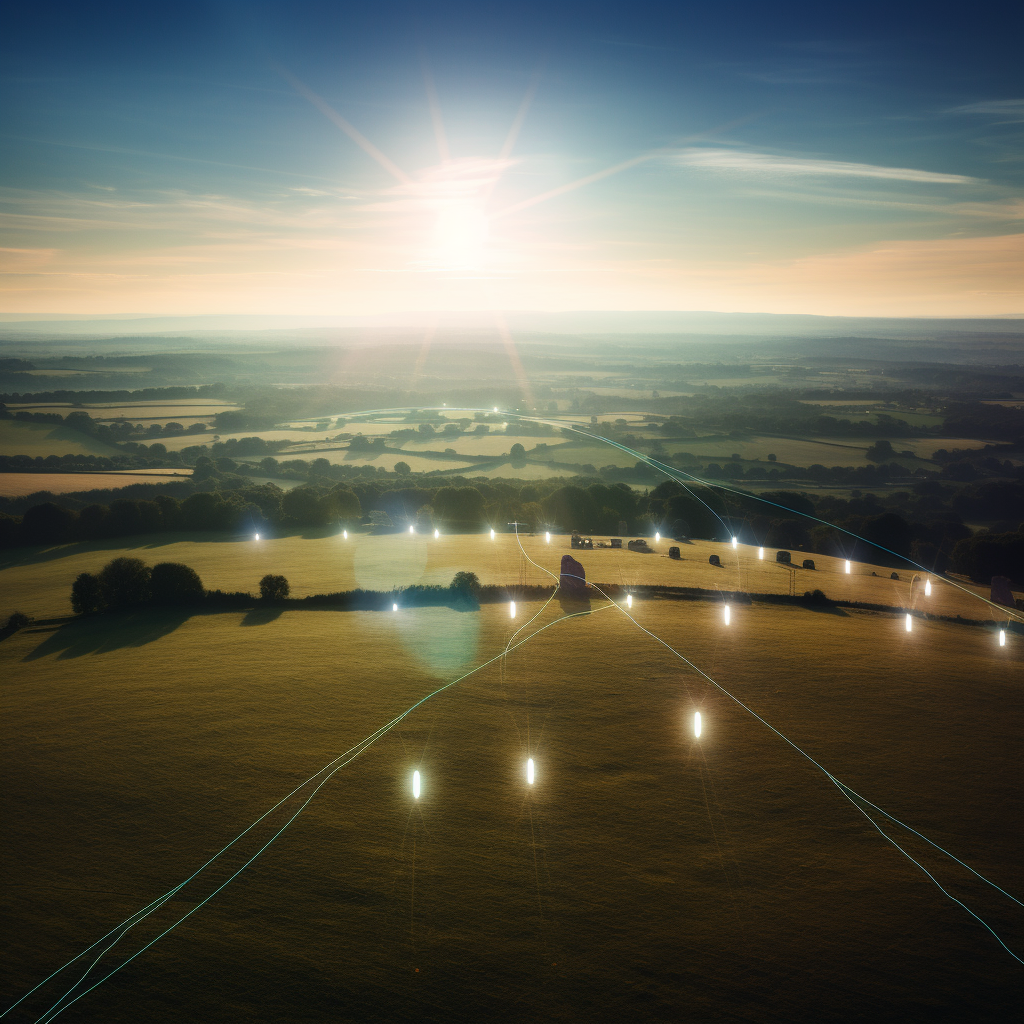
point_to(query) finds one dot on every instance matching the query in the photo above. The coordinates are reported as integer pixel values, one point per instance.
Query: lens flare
(927, 588)
(726, 614)
(512, 610)
(909, 624)
(415, 785)
(734, 543)
(257, 536)
(529, 770)
(696, 724)
(847, 566)
(412, 529)
(657, 536)
(394, 607)
(492, 535)
(437, 534)
(1002, 638)
(629, 600)
(760, 553)
(344, 534)
(547, 538)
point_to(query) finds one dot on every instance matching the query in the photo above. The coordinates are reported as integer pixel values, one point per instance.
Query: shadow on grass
(261, 616)
(98, 634)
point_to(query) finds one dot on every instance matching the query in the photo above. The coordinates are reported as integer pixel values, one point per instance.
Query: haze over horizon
(307, 159)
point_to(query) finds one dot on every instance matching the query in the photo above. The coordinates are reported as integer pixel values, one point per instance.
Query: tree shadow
(98, 634)
(574, 602)
(261, 616)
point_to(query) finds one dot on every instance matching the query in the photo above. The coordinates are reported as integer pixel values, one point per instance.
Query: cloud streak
(766, 163)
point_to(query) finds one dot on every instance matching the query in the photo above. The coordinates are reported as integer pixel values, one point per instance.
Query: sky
(328, 158)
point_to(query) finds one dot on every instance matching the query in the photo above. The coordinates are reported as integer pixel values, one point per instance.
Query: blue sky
(323, 158)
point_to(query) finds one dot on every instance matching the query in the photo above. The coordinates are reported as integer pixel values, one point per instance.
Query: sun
(460, 235)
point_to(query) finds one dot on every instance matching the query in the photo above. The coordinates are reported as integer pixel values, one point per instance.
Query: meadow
(18, 437)
(16, 485)
(38, 582)
(137, 745)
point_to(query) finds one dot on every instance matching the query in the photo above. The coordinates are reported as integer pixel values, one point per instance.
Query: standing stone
(573, 576)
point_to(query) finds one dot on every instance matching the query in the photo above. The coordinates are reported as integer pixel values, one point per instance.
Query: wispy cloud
(1008, 111)
(767, 163)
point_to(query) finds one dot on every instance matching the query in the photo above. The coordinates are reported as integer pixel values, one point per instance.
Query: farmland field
(38, 582)
(471, 444)
(136, 746)
(18, 437)
(16, 485)
(183, 411)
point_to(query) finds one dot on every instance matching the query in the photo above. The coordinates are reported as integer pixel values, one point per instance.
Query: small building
(784, 557)
(673, 553)
(616, 542)
(808, 563)
(714, 560)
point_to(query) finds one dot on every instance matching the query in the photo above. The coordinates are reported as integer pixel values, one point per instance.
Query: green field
(38, 582)
(18, 437)
(645, 875)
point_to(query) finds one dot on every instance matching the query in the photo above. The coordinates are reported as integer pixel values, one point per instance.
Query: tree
(85, 594)
(772, 457)
(402, 468)
(459, 506)
(124, 583)
(274, 588)
(344, 504)
(175, 584)
(881, 451)
(18, 620)
(517, 453)
(466, 582)
(47, 524)
(303, 506)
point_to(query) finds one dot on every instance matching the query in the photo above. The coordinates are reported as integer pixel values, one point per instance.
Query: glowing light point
(492, 535)
(547, 538)
(629, 600)
(1002, 638)
(910, 622)
(847, 567)
(394, 607)
(529, 770)
(437, 534)
(495, 408)
(657, 536)
(734, 543)
(696, 724)
(927, 588)
(257, 536)
(412, 529)
(512, 610)
(415, 785)
(760, 553)
(727, 615)
(344, 534)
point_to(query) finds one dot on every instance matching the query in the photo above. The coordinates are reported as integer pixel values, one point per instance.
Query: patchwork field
(18, 437)
(136, 746)
(184, 412)
(38, 582)
(17, 485)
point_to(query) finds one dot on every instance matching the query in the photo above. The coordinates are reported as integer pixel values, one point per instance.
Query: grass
(18, 437)
(17, 485)
(645, 876)
(38, 582)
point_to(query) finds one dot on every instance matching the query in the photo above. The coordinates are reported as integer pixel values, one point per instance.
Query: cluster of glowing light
(726, 615)
(492, 535)
(415, 785)
(257, 536)
(760, 553)
(437, 534)
(512, 610)
(909, 622)
(696, 724)
(344, 534)
(927, 588)
(547, 538)
(529, 770)
(1002, 638)
(734, 543)
(394, 607)
(629, 600)
(847, 566)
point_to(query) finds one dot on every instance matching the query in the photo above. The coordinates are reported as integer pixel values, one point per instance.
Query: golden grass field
(16, 485)
(646, 875)
(38, 582)
(190, 409)
(24, 438)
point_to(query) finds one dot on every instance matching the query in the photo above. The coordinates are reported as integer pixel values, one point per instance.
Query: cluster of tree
(125, 583)
(991, 554)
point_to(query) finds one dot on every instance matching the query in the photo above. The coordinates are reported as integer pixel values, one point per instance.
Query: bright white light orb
(657, 536)
(910, 622)
(547, 538)
(734, 543)
(344, 534)
(437, 534)
(529, 770)
(927, 588)
(847, 565)
(257, 536)
(394, 607)
(629, 600)
(415, 785)
(512, 610)
(495, 408)
(412, 529)
(727, 615)
(1002, 638)
(492, 535)
(760, 553)
(696, 724)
